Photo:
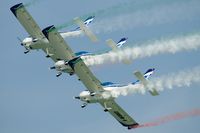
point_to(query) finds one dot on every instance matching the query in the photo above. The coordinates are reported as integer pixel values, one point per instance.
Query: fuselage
(31, 43)
(106, 94)
(109, 89)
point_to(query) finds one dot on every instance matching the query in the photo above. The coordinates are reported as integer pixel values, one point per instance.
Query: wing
(58, 49)
(85, 75)
(27, 21)
(94, 85)
(152, 91)
(119, 114)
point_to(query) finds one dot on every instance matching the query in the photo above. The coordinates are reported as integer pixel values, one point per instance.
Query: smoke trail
(31, 3)
(182, 43)
(71, 34)
(183, 78)
(102, 12)
(170, 118)
(180, 79)
(162, 14)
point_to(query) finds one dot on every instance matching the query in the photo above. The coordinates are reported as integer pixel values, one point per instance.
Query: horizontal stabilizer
(114, 47)
(112, 44)
(145, 82)
(85, 29)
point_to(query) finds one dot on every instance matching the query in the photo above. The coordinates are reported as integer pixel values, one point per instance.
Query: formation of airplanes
(55, 47)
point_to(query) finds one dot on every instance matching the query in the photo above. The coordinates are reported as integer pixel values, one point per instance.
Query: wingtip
(48, 29)
(15, 7)
(135, 125)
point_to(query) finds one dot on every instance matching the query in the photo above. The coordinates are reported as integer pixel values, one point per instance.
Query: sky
(33, 99)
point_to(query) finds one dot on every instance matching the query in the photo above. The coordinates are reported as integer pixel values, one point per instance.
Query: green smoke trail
(117, 9)
(129, 6)
(31, 3)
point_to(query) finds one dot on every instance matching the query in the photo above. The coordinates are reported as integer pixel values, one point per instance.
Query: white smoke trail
(71, 34)
(182, 43)
(174, 80)
(162, 14)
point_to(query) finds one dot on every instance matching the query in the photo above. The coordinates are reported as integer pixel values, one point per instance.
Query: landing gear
(52, 67)
(58, 74)
(27, 51)
(83, 105)
(47, 56)
(77, 97)
(105, 110)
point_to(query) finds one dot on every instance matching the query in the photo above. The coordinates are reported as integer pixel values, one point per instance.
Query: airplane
(109, 87)
(37, 39)
(61, 65)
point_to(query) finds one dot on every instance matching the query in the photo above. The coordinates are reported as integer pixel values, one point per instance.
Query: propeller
(22, 44)
(20, 40)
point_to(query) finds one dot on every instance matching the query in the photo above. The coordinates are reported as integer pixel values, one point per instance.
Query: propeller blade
(20, 40)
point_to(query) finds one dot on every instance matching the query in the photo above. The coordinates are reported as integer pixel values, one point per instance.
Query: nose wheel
(58, 74)
(83, 105)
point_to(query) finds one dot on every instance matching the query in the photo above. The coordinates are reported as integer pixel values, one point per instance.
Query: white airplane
(109, 87)
(62, 65)
(53, 44)
(37, 39)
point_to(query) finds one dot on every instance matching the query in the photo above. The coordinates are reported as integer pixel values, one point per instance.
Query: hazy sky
(34, 100)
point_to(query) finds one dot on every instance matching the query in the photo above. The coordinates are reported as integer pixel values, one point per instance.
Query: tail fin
(89, 20)
(148, 73)
(116, 46)
(121, 42)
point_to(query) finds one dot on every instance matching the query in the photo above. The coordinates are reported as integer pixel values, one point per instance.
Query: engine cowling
(62, 66)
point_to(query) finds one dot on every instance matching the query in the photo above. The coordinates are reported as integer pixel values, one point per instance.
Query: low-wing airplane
(37, 40)
(109, 87)
(62, 65)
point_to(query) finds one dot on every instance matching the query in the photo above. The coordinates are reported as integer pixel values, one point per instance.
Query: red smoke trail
(169, 118)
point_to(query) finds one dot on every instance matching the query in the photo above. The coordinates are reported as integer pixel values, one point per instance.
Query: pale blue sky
(33, 100)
